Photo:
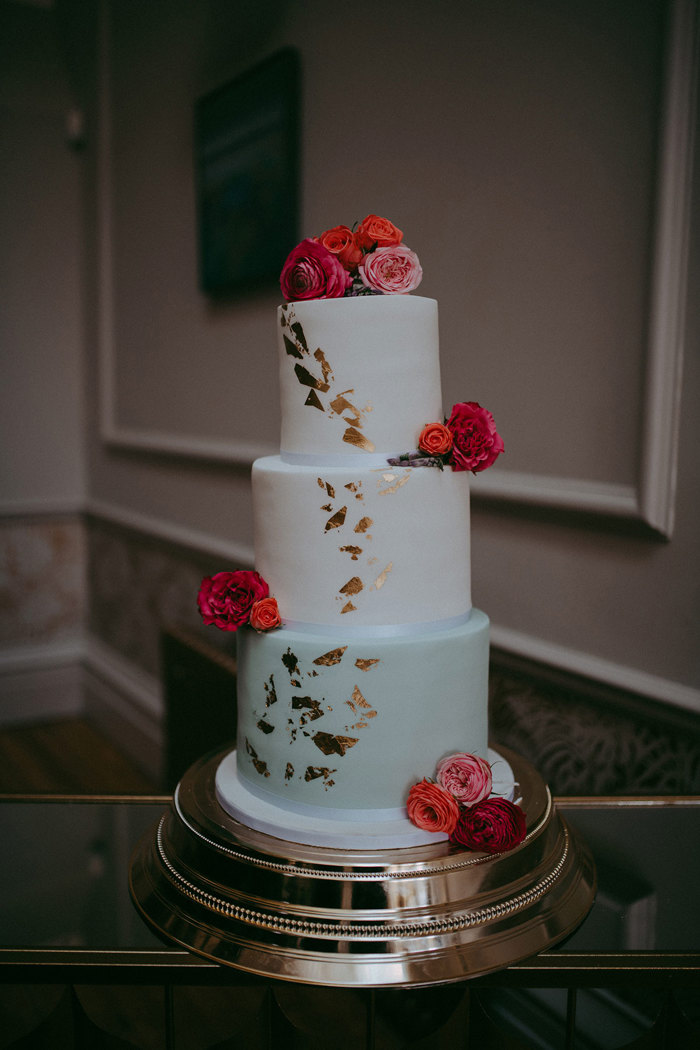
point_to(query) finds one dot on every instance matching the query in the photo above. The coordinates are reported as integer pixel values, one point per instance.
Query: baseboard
(125, 703)
(40, 683)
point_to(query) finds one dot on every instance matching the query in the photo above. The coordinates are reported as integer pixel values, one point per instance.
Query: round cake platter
(401, 917)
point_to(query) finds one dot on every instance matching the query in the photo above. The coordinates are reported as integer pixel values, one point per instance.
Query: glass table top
(64, 887)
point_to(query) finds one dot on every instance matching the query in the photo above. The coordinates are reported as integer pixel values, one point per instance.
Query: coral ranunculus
(476, 442)
(265, 615)
(394, 270)
(341, 242)
(431, 808)
(435, 439)
(312, 272)
(492, 826)
(376, 232)
(467, 777)
(226, 599)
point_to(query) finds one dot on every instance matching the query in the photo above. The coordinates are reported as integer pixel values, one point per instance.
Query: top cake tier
(358, 376)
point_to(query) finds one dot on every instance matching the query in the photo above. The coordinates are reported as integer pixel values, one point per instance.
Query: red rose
(265, 615)
(341, 242)
(373, 230)
(492, 826)
(435, 439)
(431, 808)
(312, 272)
(476, 443)
(226, 599)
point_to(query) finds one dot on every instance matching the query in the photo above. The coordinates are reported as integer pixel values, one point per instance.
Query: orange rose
(435, 439)
(342, 243)
(374, 231)
(431, 808)
(265, 616)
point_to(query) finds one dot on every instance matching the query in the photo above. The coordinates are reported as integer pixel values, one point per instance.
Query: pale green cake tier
(351, 722)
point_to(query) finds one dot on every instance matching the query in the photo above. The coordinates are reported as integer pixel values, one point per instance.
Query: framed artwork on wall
(247, 168)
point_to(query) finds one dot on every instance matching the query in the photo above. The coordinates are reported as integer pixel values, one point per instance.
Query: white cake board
(335, 828)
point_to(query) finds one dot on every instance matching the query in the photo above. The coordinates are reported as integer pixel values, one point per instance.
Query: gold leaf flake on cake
(291, 663)
(289, 771)
(364, 665)
(328, 507)
(381, 579)
(354, 552)
(336, 520)
(348, 607)
(398, 481)
(353, 586)
(325, 367)
(314, 401)
(332, 657)
(364, 524)
(333, 745)
(264, 726)
(353, 437)
(270, 691)
(307, 379)
(259, 765)
(311, 708)
(352, 415)
(291, 348)
(354, 486)
(314, 772)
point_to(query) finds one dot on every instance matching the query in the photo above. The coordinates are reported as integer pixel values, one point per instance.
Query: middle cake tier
(351, 547)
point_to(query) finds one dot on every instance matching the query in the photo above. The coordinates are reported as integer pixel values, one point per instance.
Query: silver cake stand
(364, 918)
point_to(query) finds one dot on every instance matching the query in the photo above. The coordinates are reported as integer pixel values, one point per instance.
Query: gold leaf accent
(337, 519)
(341, 404)
(290, 662)
(393, 488)
(353, 437)
(314, 401)
(333, 656)
(289, 771)
(348, 607)
(310, 707)
(271, 697)
(307, 379)
(354, 552)
(333, 745)
(353, 586)
(260, 766)
(314, 772)
(328, 507)
(354, 486)
(325, 367)
(265, 727)
(359, 699)
(364, 524)
(291, 348)
(364, 665)
(381, 579)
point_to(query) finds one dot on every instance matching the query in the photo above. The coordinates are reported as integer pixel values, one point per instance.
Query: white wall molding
(594, 667)
(651, 498)
(192, 539)
(40, 683)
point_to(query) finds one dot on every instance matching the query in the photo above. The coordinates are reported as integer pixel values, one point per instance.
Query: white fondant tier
(337, 829)
(351, 723)
(352, 547)
(358, 375)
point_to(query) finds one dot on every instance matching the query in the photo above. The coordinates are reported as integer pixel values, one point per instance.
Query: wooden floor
(66, 757)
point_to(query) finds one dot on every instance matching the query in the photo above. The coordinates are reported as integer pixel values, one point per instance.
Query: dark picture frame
(247, 175)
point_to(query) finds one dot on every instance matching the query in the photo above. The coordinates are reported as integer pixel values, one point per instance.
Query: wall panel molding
(651, 499)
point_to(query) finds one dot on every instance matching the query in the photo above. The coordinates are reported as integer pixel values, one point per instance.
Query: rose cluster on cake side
(367, 259)
(457, 803)
(468, 440)
(229, 600)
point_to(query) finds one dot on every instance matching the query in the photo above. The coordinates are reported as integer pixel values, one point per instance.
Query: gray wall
(516, 145)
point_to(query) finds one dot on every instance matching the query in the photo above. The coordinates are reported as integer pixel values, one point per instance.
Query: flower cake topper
(229, 600)
(368, 259)
(457, 803)
(468, 440)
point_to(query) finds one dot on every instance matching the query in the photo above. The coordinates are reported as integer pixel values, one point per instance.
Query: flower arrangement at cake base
(457, 803)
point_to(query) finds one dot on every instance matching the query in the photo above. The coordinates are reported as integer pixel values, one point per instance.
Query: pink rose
(265, 615)
(431, 808)
(492, 826)
(312, 272)
(466, 777)
(226, 599)
(394, 270)
(376, 232)
(476, 443)
(342, 243)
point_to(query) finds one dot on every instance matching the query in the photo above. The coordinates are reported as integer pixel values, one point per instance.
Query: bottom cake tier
(352, 725)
